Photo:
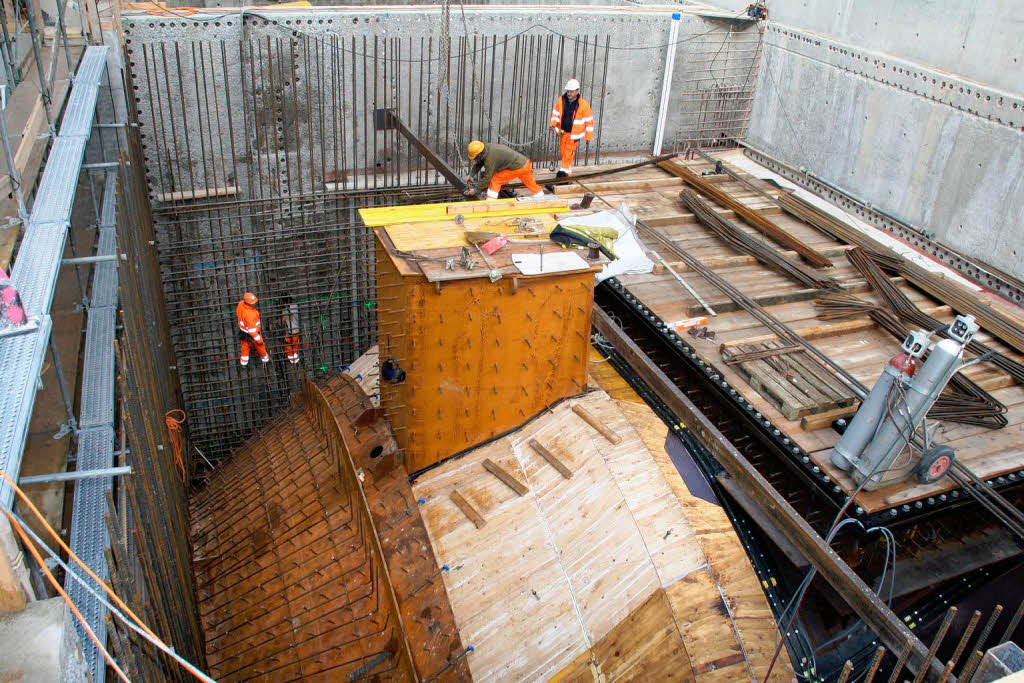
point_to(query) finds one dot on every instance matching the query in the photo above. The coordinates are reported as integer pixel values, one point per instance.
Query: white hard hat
(573, 84)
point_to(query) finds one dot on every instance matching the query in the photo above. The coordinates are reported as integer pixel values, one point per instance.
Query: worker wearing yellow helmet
(500, 165)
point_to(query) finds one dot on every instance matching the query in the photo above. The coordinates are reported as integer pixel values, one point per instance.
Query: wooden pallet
(788, 378)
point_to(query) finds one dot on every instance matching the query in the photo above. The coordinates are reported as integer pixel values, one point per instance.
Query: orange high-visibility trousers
(567, 150)
(291, 347)
(525, 174)
(248, 342)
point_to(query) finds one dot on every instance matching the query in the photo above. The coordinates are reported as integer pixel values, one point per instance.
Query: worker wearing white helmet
(572, 120)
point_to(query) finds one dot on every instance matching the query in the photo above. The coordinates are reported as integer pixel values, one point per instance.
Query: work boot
(561, 174)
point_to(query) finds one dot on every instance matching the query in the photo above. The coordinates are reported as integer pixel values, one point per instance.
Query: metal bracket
(66, 427)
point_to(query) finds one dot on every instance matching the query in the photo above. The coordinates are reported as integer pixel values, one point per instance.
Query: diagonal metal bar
(889, 627)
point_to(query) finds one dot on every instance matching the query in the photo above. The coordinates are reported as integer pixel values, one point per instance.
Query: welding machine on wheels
(889, 419)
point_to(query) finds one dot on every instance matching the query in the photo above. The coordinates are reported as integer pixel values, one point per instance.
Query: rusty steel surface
(311, 559)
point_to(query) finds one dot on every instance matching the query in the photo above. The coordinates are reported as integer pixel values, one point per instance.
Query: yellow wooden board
(419, 213)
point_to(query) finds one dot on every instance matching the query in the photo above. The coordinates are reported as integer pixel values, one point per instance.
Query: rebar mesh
(717, 91)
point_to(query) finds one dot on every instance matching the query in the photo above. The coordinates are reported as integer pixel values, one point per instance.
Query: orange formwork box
(479, 357)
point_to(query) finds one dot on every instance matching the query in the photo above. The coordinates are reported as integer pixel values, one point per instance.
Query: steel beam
(879, 618)
(75, 475)
(386, 119)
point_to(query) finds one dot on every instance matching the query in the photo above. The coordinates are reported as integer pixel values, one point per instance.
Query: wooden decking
(614, 572)
(857, 344)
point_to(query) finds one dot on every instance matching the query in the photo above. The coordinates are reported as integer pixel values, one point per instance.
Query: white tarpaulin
(631, 254)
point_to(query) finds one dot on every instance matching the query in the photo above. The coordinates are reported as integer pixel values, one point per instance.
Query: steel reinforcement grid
(258, 136)
(259, 153)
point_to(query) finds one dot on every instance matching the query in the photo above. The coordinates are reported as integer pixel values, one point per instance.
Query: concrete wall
(177, 108)
(916, 107)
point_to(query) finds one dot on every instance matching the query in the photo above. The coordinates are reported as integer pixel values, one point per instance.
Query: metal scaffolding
(39, 261)
(96, 432)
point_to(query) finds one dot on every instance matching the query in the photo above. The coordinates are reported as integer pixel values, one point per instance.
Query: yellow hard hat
(474, 149)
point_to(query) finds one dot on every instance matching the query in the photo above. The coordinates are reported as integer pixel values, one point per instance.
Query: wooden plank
(467, 509)
(824, 380)
(774, 387)
(815, 396)
(748, 214)
(731, 357)
(551, 458)
(824, 420)
(719, 262)
(506, 478)
(596, 424)
(491, 207)
(203, 193)
(825, 331)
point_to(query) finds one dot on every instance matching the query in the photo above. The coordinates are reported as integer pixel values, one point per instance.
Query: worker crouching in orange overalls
(572, 120)
(498, 164)
(250, 330)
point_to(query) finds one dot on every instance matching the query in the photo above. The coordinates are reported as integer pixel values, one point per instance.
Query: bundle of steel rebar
(963, 400)
(871, 268)
(757, 220)
(992, 320)
(748, 244)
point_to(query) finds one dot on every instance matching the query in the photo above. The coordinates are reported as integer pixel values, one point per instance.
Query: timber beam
(865, 602)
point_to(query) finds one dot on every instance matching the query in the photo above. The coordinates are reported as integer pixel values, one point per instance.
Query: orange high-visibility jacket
(249, 321)
(582, 122)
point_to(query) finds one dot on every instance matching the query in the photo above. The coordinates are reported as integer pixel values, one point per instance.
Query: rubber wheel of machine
(935, 462)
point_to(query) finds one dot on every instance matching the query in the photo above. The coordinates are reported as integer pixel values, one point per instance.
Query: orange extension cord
(56, 584)
(64, 546)
(177, 438)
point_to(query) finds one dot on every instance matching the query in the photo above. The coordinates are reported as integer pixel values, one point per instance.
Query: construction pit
(768, 427)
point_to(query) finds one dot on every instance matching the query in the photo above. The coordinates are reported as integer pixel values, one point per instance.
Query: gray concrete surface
(980, 41)
(937, 149)
(171, 96)
(39, 645)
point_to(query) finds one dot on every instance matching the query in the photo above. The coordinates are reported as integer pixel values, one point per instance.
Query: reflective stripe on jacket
(248, 320)
(582, 125)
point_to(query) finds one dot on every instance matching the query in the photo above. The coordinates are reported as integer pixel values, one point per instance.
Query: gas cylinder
(862, 428)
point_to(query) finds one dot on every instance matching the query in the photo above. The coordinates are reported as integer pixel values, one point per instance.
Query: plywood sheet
(748, 616)
(561, 567)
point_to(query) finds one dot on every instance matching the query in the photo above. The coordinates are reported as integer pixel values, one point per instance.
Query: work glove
(257, 338)
(469, 192)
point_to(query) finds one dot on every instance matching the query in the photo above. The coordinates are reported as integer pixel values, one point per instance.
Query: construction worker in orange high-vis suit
(291, 335)
(572, 120)
(496, 165)
(250, 330)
